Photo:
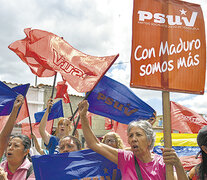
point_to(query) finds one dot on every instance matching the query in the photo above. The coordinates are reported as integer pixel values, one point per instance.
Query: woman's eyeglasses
(110, 141)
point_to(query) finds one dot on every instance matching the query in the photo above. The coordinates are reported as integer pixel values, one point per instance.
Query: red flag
(108, 123)
(35, 128)
(62, 91)
(36, 63)
(189, 162)
(24, 112)
(121, 129)
(45, 53)
(185, 120)
(89, 119)
(118, 128)
(3, 120)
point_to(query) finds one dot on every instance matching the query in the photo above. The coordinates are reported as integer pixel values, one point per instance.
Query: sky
(95, 27)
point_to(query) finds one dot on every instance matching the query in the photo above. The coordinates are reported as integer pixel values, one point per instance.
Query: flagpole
(53, 88)
(36, 80)
(77, 111)
(111, 124)
(167, 129)
(30, 122)
(71, 109)
(76, 125)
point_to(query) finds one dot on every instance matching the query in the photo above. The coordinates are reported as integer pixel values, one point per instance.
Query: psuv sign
(168, 46)
(171, 20)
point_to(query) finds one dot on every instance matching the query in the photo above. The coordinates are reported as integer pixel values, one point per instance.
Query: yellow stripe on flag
(177, 139)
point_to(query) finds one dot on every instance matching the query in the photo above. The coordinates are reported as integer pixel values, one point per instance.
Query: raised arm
(42, 128)
(170, 157)
(6, 131)
(37, 146)
(92, 142)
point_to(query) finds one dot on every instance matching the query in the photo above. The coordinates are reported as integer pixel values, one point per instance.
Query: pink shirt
(154, 170)
(20, 173)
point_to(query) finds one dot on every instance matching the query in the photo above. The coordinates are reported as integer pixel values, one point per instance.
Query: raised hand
(19, 101)
(3, 174)
(83, 107)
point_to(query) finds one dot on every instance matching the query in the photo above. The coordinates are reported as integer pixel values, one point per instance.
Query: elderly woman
(64, 128)
(113, 139)
(141, 140)
(17, 164)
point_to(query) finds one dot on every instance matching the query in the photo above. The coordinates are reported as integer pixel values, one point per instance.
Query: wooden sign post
(167, 129)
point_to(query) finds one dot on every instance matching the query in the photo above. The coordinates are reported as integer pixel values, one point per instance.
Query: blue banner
(116, 101)
(74, 165)
(56, 112)
(8, 96)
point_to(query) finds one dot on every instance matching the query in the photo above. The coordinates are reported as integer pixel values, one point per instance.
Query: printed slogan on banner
(168, 46)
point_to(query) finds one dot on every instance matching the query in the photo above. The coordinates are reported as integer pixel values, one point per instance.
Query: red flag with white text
(185, 120)
(46, 52)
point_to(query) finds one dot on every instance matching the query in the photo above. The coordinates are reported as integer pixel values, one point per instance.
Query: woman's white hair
(147, 127)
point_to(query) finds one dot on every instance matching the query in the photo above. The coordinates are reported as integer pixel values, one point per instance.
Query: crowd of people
(136, 162)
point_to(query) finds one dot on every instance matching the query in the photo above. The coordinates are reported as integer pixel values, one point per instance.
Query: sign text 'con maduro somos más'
(168, 46)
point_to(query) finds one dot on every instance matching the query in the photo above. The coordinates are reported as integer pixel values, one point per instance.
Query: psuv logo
(159, 18)
(116, 104)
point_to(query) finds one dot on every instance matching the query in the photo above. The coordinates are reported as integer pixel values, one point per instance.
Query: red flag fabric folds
(36, 63)
(35, 128)
(62, 91)
(118, 128)
(24, 112)
(79, 126)
(121, 129)
(45, 53)
(189, 162)
(3, 120)
(108, 123)
(185, 120)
